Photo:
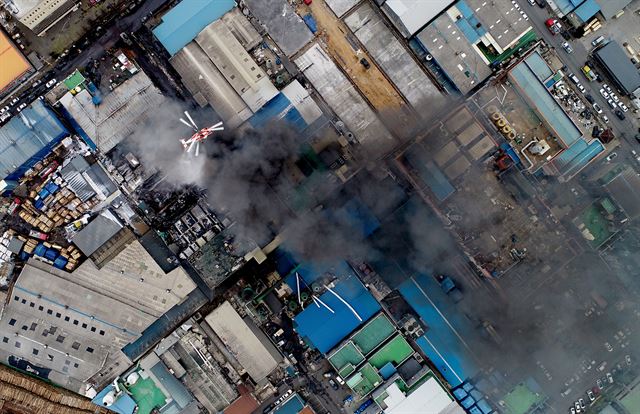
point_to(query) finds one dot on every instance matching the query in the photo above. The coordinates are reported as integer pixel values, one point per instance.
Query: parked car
(333, 384)
(22, 106)
(605, 119)
(589, 98)
(604, 93)
(597, 108)
(597, 41)
(620, 115)
(50, 83)
(611, 104)
(591, 396)
(610, 157)
(623, 107)
(609, 378)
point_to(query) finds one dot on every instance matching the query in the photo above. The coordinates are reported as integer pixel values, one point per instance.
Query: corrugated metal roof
(28, 135)
(183, 23)
(119, 113)
(325, 329)
(587, 10)
(409, 16)
(249, 349)
(577, 156)
(611, 7)
(616, 62)
(625, 188)
(97, 232)
(547, 108)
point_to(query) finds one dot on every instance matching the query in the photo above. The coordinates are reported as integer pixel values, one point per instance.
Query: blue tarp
(183, 23)
(441, 343)
(324, 329)
(311, 23)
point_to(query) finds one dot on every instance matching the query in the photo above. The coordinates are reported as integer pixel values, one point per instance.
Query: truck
(449, 287)
(589, 73)
(553, 25)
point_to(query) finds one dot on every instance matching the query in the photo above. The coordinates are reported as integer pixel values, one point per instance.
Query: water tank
(109, 398)
(132, 378)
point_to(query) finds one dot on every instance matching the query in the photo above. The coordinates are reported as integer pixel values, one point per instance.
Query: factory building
(89, 314)
(282, 23)
(608, 9)
(244, 75)
(27, 138)
(619, 68)
(529, 77)
(247, 342)
(14, 65)
(471, 37)
(40, 16)
(106, 122)
(409, 16)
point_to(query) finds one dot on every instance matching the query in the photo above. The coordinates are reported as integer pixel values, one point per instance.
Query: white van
(597, 41)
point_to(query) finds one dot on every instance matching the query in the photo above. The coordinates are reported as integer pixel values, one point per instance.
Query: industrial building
(184, 21)
(470, 38)
(410, 79)
(588, 8)
(27, 138)
(361, 122)
(41, 15)
(430, 396)
(15, 66)
(409, 16)
(244, 75)
(111, 119)
(625, 189)
(619, 68)
(282, 23)
(529, 78)
(249, 345)
(93, 313)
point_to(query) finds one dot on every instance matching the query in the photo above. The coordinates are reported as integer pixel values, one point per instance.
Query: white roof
(252, 353)
(430, 397)
(416, 13)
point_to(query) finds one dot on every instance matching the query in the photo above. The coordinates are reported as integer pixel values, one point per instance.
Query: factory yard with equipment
(319, 206)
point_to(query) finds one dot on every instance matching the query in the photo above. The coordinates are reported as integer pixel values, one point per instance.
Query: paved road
(624, 130)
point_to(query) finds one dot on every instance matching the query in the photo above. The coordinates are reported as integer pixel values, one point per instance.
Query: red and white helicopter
(200, 135)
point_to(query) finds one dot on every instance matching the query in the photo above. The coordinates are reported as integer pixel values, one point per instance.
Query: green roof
(147, 395)
(365, 380)
(345, 359)
(592, 219)
(631, 401)
(74, 80)
(373, 334)
(395, 351)
(521, 400)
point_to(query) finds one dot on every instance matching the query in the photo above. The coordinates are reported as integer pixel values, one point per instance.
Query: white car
(14, 101)
(567, 47)
(597, 108)
(623, 107)
(615, 98)
(611, 157)
(605, 119)
(21, 107)
(611, 104)
(50, 83)
(581, 88)
(604, 93)
(607, 88)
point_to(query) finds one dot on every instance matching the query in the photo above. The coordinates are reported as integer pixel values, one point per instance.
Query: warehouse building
(470, 38)
(250, 346)
(40, 16)
(619, 68)
(27, 138)
(119, 113)
(184, 21)
(14, 65)
(409, 16)
(92, 312)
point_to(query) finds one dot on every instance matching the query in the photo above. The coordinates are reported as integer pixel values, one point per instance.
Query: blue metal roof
(587, 10)
(292, 406)
(123, 405)
(566, 6)
(324, 329)
(278, 108)
(183, 23)
(576, 157)
(547, 108)
(441, 343)
(430, 173)
(27, 138)
(538, 66)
